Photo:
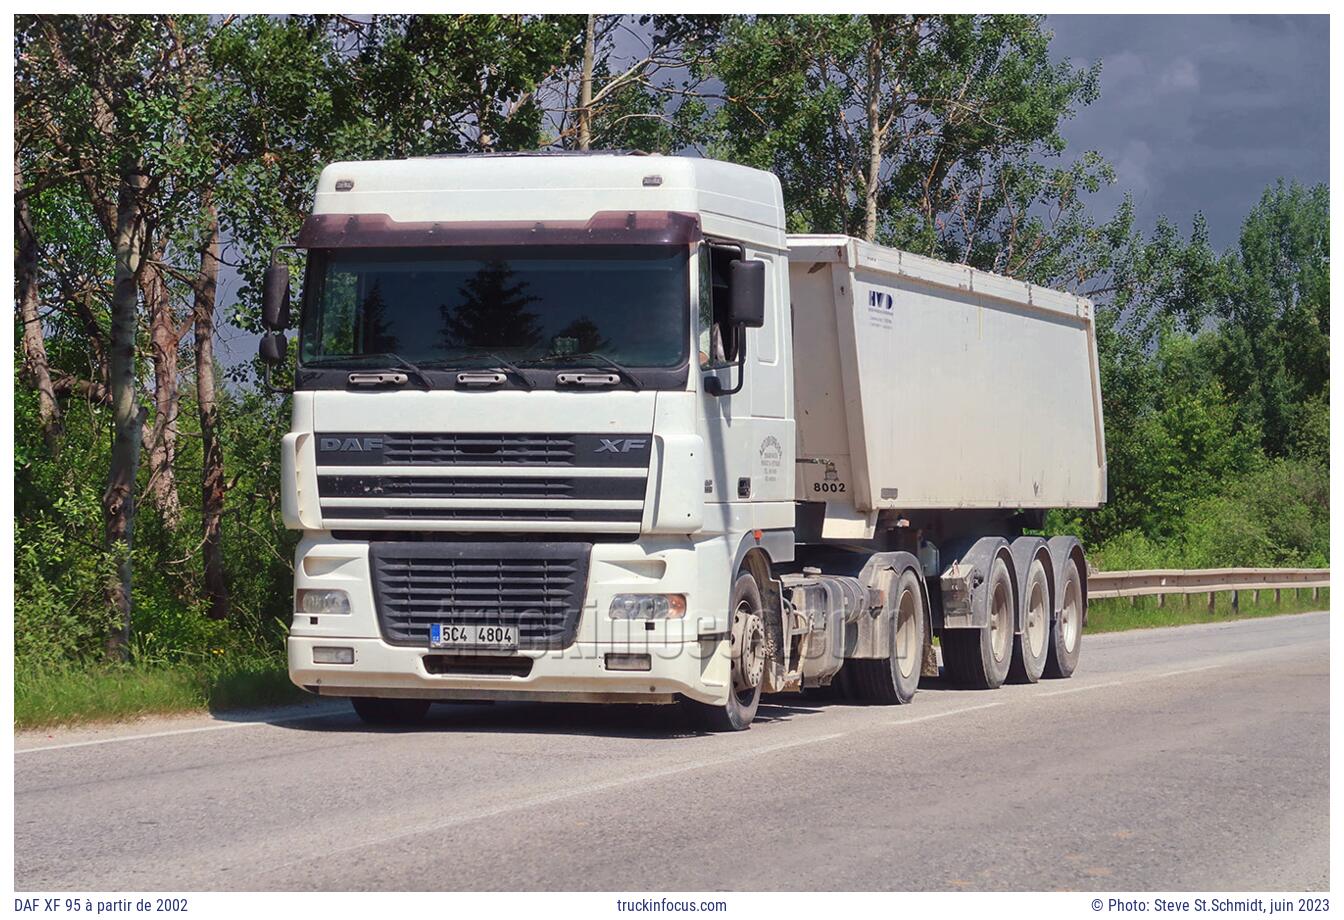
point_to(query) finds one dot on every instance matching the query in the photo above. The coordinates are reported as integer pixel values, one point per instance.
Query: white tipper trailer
(594, 428)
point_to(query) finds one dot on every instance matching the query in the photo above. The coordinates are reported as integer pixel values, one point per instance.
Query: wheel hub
(1068, 616)
(1036, 621)
(748, 649)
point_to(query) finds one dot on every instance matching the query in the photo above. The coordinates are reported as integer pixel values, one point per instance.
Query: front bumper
(579, 673)
(687, 656)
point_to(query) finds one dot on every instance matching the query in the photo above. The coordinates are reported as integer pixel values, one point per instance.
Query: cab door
(749, 432)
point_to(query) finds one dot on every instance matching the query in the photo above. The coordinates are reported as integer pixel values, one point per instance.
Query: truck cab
(522, 399)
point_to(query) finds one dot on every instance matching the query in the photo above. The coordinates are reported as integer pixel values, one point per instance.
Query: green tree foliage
(1275, 304)
(924, 132)
(1277, 514)
(1207, 416)
(639, 84)
(1178, 441)
(420, 85)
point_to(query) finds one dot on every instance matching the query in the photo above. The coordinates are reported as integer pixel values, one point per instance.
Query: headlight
(321, 603)
(648, 607)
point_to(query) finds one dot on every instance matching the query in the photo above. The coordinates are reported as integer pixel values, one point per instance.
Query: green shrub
(1277, 516)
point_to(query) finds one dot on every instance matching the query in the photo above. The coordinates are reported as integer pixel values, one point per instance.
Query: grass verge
(68, 696)
(1116, 614)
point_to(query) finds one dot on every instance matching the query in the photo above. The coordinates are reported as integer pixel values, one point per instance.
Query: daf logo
(621, 446)
(343, 445)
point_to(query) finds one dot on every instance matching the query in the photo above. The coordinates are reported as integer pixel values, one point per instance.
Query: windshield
(445, 306)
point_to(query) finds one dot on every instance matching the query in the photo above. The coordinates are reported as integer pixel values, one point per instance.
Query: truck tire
(747, 666)
(894, 679)
(1066, 630)
(389, 712)
(1031, 646)
(979, 658)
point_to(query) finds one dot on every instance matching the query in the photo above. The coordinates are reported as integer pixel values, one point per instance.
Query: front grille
(353, 485)
(482, 449)
(538, 587)
(511, 449)
(547, 487)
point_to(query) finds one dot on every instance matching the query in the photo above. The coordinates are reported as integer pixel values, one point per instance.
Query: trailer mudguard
(1024, 549)
(965, 597)
(1062, 549)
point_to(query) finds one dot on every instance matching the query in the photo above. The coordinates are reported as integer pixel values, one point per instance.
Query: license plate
(446, 635)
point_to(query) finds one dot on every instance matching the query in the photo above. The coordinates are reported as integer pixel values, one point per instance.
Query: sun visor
(333, 231)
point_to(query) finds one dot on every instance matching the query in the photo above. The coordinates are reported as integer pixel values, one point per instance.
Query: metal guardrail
(1161, 582)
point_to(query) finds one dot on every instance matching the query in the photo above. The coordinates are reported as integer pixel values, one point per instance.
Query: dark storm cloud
(1201, 113)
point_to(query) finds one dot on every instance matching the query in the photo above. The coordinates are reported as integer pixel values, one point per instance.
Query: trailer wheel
(389, 712)
(979, 658)
(747, 666)
(1066, 632)
(895, 679)
(1032, 645)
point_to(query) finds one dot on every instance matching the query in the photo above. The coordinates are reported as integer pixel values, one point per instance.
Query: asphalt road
(1184, 759)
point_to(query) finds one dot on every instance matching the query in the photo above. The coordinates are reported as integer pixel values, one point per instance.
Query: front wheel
(374, 711)
(747, 664)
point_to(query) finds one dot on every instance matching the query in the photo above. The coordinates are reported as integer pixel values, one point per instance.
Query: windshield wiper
(488, 357)
(398, 363)
(588, 357)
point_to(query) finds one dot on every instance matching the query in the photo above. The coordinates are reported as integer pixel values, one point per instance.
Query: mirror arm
(275, 253)
(712, 384)
(271, 388)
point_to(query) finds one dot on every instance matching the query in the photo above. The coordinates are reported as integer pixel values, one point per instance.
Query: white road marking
(179, 731)
(950, 712)
(1084, 688)
(1141, 678)
(1205, 667)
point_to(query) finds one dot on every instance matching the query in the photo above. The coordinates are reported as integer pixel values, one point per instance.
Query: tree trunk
(127, 415)
(212, 468)
(35, 365)
(876, 136)
(586, 84)
(161, 438)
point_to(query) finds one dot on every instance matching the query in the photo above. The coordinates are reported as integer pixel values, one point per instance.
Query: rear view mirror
(273, 349)
(746, 293)
(746, 308)
(275, 297)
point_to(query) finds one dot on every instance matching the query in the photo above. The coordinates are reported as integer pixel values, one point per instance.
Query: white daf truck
(595, 428)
